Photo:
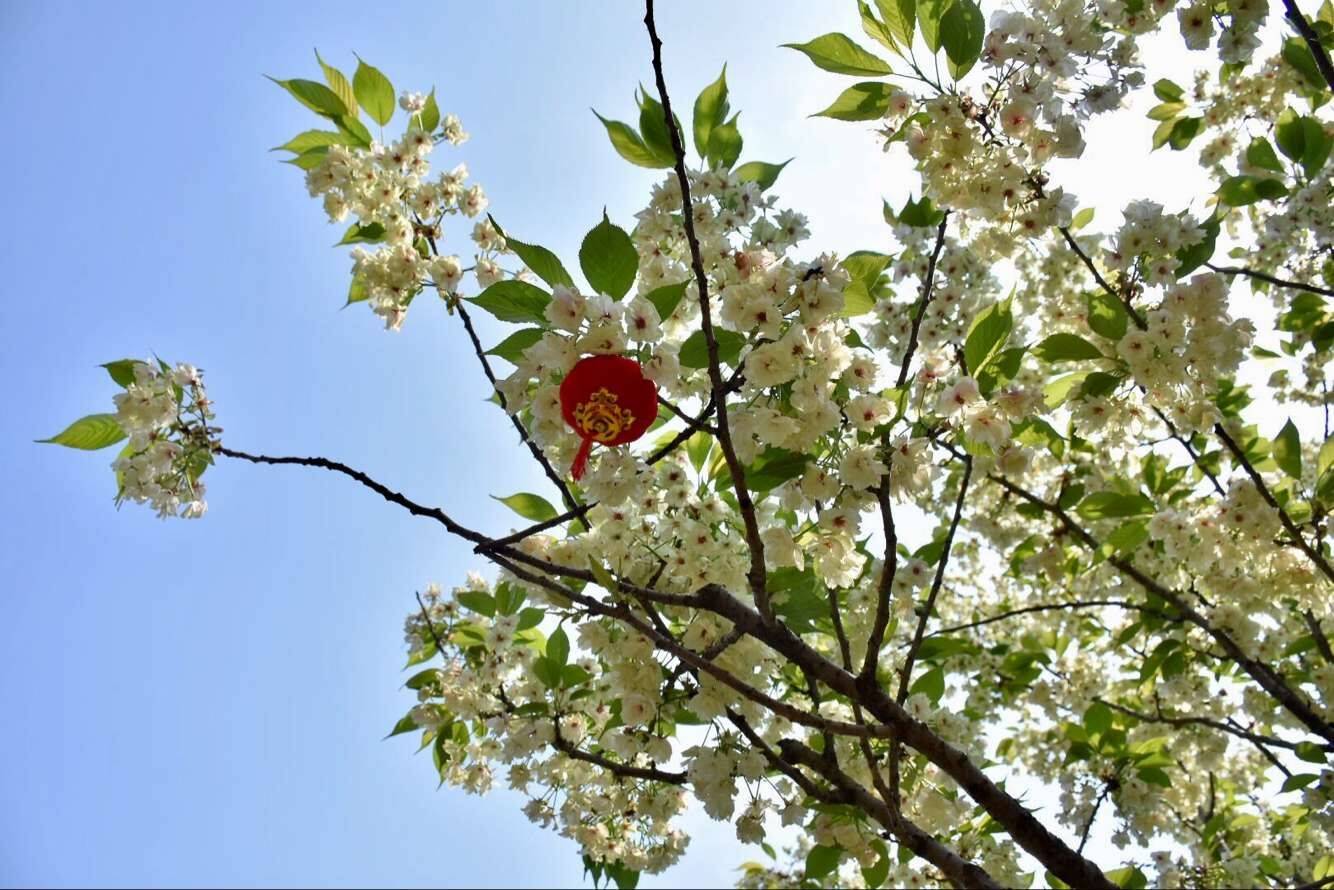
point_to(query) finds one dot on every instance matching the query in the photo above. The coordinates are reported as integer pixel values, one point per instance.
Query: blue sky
(204, 703)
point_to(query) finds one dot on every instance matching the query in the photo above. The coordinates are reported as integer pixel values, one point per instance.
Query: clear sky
(204, 702)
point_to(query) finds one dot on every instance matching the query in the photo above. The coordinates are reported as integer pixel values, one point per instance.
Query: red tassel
(581, 459)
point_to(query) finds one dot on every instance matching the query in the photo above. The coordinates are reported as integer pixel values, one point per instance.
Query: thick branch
(1312, 41)
(958, 870)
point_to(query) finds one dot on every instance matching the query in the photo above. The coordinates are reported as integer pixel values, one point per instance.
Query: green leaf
(710, 110)
(1183, 132)
(529, 618)
(404, 725)
(1310, 752)
(514, 300)
(477, 601)
(865, 101)
(304, 142)
(89, 433)
(604, 577)
(666, 298)
(866, 265)
(1097, 719)
(356, 291)
(530, 506)
(429, 117)
(314, 95)
(1303, 140)
(1297, 781)
(1196, 255)
(545, 264)
(1261, 154)
(1113, 504)
(1168, 91)
(772, 468)
(374, 92)
(1167, 111)
(821, 861)
(1155, 775)
(653, 128)
(877, 31)
(1326, 458)
(1106, 316)
(512, 347)
(876, 875)
(309, 160)
(857, 300)
(987, 335)
(961, 31)
(920, 213)
(899, 17)
(558, 647)
(353, 130)
(760, 173)
(338, 82)
(548, 672)
(1128, 877)
(838, 53)
(1238, 191)
(695, 351)
(725, 144)
(929, 15)
(1297, 54)
(122, 370)
(625, 139)
(931, 684)
(609, 259)
(362, 234)
(1082, 218)
(1066, 348)
(1287, 450)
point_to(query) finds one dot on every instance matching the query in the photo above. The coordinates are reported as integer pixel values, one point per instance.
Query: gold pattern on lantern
(601, 418)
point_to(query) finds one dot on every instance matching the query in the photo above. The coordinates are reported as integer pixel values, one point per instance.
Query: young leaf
(338, 82)
(625, 139)
(374, 92)
(899, 17)
(695, 351)
(710, 110)
(1066, 348)
(666, 298)
(315, 96)
(929, 15)
(512, 347)
(653, 128)
(89, 433)
(1106, 315)
(987, 335)
(530, 506)
(609, 259)
(514, 300)
(725, 144)
(760, 173)
(545, 264)
(1113, 505)
(838, 53)
(1287, 450)
(122, 370)
(303, 142)
(865, 101)
(961, 31)
(558, 647)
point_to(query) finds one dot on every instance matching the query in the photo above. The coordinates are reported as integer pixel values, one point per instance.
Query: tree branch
(757, 576)
(1304, 28)
(1262, 276)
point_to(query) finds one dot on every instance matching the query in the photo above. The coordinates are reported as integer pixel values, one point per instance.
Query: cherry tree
(938, 554)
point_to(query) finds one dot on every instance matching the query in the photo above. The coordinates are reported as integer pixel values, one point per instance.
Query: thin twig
(757, 575)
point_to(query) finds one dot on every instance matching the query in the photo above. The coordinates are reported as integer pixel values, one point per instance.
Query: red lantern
(608, 400)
